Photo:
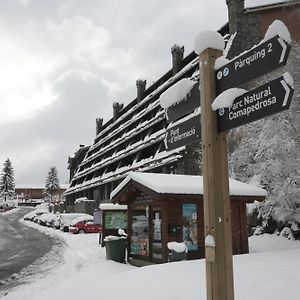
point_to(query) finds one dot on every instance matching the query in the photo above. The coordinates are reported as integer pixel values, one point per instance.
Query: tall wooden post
(217, 214)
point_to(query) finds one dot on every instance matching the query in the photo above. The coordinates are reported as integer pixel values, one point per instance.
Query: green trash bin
(115, 248)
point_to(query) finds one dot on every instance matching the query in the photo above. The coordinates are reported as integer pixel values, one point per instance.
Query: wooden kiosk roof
(166, 184)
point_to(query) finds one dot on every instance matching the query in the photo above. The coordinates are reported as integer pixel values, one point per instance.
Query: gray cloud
(86, 55)
(60, 128)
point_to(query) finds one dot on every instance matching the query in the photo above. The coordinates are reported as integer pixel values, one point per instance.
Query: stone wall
(246, 27)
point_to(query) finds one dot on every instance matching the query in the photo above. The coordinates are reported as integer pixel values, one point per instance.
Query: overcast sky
(64, 62)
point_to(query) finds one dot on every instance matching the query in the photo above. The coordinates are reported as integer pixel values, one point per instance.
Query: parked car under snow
(49, 220)
(67, 219)
(84, 225)
(36, 213)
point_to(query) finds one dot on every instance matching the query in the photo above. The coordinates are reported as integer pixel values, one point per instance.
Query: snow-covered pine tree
(52, 182)
(7, 183)
(268, 151)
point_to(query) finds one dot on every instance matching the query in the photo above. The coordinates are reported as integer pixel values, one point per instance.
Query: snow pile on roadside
(86, 274)
(268, 242)
(11, 211)
(84, 266)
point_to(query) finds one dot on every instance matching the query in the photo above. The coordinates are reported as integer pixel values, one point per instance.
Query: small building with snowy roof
(165, 208)
(113, 218)
(30, 192)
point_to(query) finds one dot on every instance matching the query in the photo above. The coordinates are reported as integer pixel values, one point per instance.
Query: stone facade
(86, 207)
(246, 27)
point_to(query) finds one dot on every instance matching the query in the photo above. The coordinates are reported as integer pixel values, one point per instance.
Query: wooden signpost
(270, 98)
(217, 213)
(256, 104)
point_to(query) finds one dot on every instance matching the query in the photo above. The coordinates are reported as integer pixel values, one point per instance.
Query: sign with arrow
(183, 133)
(256, 104)
(259, 60)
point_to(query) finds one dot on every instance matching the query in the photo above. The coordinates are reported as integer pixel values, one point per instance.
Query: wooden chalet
(113, 217)
(164, 208)
(29, 192)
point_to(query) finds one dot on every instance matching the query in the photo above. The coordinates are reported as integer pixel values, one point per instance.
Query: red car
(85, 226)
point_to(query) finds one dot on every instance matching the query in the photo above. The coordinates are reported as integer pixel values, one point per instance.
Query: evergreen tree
(52, 182)
(7, 183)
(268, 153)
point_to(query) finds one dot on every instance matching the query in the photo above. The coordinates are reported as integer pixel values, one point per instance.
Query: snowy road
(270, 271)
(20, 246)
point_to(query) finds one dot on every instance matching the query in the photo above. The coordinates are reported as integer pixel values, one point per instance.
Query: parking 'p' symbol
(225, 71)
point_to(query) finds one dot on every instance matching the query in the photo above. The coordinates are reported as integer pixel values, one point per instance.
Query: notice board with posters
(115, 219)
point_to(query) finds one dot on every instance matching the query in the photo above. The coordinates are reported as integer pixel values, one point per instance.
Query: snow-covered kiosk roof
(111, 206)
(182, 185)
(176, 201)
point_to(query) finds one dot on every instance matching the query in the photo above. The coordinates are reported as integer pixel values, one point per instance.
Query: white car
(67, 219)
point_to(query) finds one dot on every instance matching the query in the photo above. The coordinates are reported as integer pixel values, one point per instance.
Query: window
(157, 235)
(140, 234)
(189, 230)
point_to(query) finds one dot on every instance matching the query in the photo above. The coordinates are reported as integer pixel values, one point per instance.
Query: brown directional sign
(183, 134)
(256, 104)
(259, 60)
(186, 106)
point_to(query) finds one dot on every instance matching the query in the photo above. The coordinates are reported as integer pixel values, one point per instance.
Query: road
(20, 246)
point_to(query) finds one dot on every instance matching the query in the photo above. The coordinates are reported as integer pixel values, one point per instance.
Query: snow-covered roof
(41, 187)
(184, 184)
(259, 3)
(110, 206)
(83, 199)
(30, 186)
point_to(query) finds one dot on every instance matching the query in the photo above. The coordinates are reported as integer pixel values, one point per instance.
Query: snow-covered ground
(271, 271)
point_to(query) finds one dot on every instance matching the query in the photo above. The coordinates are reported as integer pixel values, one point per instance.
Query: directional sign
(186, 106)
(257, 61)
(256, 104)
(183, 134)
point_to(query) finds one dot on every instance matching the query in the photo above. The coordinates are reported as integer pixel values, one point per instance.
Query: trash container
(115, 248)
(177, 251)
